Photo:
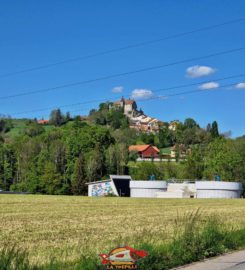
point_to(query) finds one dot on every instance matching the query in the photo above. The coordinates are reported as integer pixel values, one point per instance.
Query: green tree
(239, 146)
(147, 138)
(208, 128)
(34, 129)
(111, 159)
(214, 130)
(78, 183)
(68, 117)
(52, 182)
(95, 164)
(5, 124)
(190, 136)
(171, 170)
(223, 159)
(190, 123)
(7, 166)
(145, 170)
(56, 117)
(194, 164)
(122, 158)
(164, 137)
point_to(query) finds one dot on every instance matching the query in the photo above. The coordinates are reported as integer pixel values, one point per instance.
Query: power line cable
(154, 91)
(136, 45)
(176, 94)
(123, 74)
(199, 83)
(190, 92)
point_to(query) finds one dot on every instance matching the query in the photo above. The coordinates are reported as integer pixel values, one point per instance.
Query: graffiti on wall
(102, 189)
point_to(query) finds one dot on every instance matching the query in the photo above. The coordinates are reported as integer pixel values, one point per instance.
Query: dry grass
(67, 227)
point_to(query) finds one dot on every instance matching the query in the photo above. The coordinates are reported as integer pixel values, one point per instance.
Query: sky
(37, 34)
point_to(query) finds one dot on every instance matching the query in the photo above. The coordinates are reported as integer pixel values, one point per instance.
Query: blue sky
(35, 33)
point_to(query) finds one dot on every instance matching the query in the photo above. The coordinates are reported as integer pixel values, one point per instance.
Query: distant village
(141, 122)
(137, 119)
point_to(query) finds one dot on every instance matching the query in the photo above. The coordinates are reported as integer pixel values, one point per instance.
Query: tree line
(62, 157)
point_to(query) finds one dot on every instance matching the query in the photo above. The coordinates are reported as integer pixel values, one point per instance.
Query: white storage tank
(146, 189)
(218, 189)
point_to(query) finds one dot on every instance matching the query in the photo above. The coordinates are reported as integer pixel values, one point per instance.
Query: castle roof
(129, 101)
(125, 101)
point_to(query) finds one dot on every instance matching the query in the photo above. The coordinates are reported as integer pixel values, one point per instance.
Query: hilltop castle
(129, 107)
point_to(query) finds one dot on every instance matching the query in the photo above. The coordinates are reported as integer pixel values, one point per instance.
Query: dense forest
(61, 156)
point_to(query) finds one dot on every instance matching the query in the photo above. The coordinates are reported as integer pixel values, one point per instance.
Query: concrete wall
(146, 189)
(218, 189)
(179, 190)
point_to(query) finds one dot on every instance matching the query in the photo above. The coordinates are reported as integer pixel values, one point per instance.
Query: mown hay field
(66, 227)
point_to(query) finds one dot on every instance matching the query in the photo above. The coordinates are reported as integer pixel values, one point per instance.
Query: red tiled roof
(156, 149)
(129, 101)
(126, 101)
(42, 121)
(141, 148)
(138, 148)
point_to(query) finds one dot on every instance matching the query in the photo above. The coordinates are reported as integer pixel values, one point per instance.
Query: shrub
(194, 239)
(12, 258)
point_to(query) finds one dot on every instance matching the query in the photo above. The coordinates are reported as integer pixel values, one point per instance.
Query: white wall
(218, 189)
(146, 189)
(144, 192)
(224, 194)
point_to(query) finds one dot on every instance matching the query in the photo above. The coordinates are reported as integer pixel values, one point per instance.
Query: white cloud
(240, 85)
(141, 94)
(117, 89)
(199, 71)
(209, 85)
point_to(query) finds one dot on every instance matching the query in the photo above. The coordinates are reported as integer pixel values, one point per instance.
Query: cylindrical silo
(218, 189)
(146, 189)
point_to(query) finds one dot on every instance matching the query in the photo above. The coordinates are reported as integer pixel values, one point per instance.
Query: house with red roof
(43, 122)
(145, 151)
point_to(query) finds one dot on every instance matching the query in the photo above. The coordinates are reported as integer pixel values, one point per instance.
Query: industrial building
(124, 186)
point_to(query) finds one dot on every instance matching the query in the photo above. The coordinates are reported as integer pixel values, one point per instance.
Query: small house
(145, 151)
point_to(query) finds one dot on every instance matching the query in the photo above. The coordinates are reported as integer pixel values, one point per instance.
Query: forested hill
(60, 156)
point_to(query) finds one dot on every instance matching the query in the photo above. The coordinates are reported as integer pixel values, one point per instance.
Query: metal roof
(100, 181)
(126, 177)
(112, 176)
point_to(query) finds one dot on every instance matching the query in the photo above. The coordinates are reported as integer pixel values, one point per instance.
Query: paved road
(240, 266)
(232, 261)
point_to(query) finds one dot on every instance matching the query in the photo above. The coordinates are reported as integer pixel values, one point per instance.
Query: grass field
(68, 227)
(19, 126)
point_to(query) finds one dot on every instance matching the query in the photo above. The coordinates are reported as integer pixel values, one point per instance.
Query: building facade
(129, 106)
(145, 151)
